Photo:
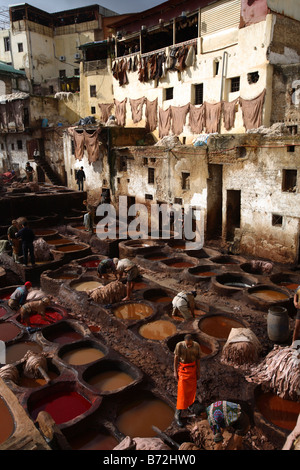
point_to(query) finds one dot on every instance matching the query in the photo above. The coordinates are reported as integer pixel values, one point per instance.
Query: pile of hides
(42, 250)
(35, 294)
(142, 443)
(264, 267)
(241, 349)
(169, 142)
(279, 372)
(9, 372)
(34, 362)
(110, 294)
(188, 446)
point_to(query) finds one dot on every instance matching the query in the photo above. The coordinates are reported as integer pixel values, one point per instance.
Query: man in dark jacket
(80, 177)
(27, 236)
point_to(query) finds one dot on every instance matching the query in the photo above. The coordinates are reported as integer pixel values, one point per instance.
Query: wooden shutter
(220, 15)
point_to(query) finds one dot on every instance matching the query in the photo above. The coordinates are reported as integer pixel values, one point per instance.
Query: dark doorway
(233, 213)
(214, 202)
(40, 174)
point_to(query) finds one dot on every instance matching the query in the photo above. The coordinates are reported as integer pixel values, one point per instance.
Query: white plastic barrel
(2, 352)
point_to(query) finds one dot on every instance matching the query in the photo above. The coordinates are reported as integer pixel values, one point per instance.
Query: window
(291, 148)
(62, 73)
(76, 72)
(216, 67)
(235, 84)
(145, 161)
(289, 181)
(199, 93)
(72, 147)
(20, 47)
(148, 197)
(7, 44)
(277, 220)
(93, 110)
(93, 92)
(151, 173)
(51, 90)
(169, 93)
(185, 180)
(123, 164)
(252, 77)
(178, 200)
(13, 146)
(19, 144)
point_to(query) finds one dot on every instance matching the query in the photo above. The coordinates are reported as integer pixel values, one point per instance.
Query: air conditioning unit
(62, 58)
(77, 55)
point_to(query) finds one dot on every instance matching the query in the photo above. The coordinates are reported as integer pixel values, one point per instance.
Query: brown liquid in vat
(8, 331)
(59, 241)
(17, 351)
(218, 326)
(281, 412)
(82, 356)
(158, 330)
(270, 295)
(138, 418)
(181, 264)
(70, 248)
(205, 273)
(139, 285)
(28, 382)
(86, 286)
(110, 380)
(161, 299)
(7, 422)
(93, 440)
(133, 311)
(289, 285)
(156, 258)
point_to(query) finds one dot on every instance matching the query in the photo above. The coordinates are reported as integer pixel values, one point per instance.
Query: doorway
(233, 213)
(214, 202)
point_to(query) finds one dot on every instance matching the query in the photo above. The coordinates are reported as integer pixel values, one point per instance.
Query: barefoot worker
(186, 372)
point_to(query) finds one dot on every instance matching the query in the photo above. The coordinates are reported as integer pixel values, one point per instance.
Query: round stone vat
(82, 353)
(249, 268)
(131, 248)
(95, 437)
(201, 253)
(10, 331)
(175, 244)
(203, 272)
(276, 416)
(158, 296)
(266, 295)
(208, 346)
(111, 376)
(156, 256)
(63, 332)
(3, 312)
(231, 282)
(17, 350)
(158, 330)
(72, 248)
(65, 273)
(7, 421)
(176, 264)
(64, 401)
(46, 233)
(133, 311)
(218, 325)
(288, 280)
(137, 414)
(36, 382)
(91, 262)
(53, 314)
(86, 283)
(55, 242)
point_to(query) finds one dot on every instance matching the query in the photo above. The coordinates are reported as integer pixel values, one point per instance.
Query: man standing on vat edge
(186, 372)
